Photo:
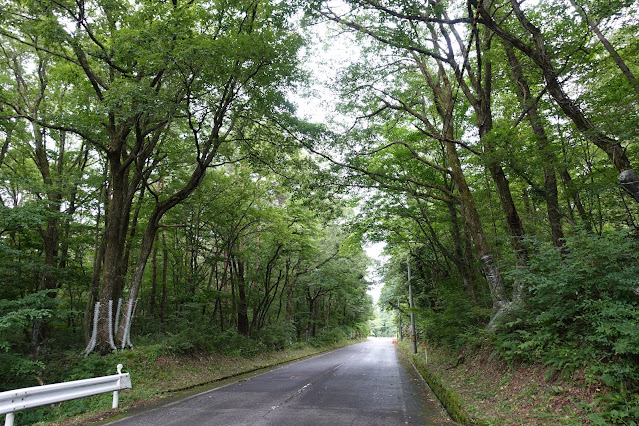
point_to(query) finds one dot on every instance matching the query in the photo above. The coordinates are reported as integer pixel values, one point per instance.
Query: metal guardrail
(22, 399)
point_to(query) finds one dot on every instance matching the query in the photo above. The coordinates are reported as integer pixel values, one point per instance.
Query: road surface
(363, 384)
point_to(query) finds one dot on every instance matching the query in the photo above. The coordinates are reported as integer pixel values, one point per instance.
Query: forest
(158, 187)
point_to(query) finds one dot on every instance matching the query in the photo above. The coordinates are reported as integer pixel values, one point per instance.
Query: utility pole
(399, 316)
(413, 337)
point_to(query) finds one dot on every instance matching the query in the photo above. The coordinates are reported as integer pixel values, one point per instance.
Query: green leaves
(581, 310)
(18, 315)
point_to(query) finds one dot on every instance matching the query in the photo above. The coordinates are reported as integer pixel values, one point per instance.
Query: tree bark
(116, 214)
(462, 264)
(551, 194)
(5, 145)
(481, 99)
(469, 209)
(165, 267)
(242, 306)
(154, 276)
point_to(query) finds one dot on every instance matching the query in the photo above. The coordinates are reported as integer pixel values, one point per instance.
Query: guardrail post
(8, 419)
(116, 394)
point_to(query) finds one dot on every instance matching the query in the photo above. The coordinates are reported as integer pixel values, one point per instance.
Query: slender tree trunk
(608, 46)
(197, 175)
(627, 176)
(242, 308)
(5, 145)
(50, 234)
(165, 266)
(573, 193)
(154, 276)
(461, 263)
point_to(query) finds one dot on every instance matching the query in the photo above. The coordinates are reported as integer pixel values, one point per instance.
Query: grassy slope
(490, 392)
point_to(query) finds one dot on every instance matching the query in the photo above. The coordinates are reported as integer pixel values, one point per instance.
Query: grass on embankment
(479, 390)
(155, 376)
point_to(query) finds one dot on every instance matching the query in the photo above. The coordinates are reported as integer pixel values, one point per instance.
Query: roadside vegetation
(498, 139)
(566, 355)
(158, 190)
(486, 390)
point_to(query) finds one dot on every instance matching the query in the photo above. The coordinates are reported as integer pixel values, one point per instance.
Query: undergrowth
(581, 311)
(579, 315)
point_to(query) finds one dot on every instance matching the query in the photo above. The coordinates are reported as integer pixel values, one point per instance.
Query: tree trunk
(461, 262)
(165, 266)
(154, 276)
(573, 193)
(551, 194)
(627, 176)
(114, 247)
(473, 222)
(98, 261)
(50, 234)
(609, 47)
(442, 90)
(481, 103)
(5, 145)
(242, 308)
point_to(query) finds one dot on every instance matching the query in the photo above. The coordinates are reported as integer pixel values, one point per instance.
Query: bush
(230, 342)
(581, 310)
(16, 320)
(329, 337)
(453, 319)
(277, 336)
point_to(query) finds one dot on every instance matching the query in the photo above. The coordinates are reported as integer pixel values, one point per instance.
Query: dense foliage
(150, 162)
(149, 154)
(498, 140)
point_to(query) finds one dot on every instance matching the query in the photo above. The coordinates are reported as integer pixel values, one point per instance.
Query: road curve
(362, 384)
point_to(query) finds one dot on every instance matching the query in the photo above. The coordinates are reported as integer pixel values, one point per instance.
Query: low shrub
(581, 310)
(277, 336)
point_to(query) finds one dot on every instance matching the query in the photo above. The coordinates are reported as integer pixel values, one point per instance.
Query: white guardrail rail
(22, 399)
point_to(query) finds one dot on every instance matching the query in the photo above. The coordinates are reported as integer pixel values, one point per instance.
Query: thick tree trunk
(473, 222)
(551, 194)
(114, 249)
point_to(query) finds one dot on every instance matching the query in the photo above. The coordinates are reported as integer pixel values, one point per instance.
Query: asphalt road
(362, 384)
